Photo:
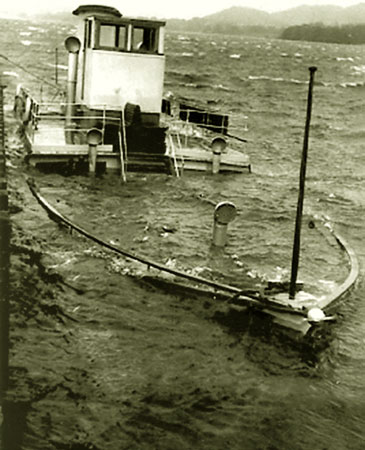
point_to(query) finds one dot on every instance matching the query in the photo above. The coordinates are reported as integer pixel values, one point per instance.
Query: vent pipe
(224, 213)
(73, 46)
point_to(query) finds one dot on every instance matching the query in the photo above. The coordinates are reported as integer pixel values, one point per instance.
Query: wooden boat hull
(292, 314)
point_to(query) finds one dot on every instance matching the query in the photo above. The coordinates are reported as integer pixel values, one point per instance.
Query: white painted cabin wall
(115, 78)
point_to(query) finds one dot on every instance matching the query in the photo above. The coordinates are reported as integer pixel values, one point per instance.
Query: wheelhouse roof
(101, 9)
(107, 14)
(129, 20)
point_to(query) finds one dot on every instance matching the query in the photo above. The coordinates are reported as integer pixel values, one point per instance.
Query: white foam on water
(11, 74)
(345, 59)
(358, 70)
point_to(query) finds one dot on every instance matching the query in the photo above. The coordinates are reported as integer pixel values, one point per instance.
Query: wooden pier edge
(5, 230)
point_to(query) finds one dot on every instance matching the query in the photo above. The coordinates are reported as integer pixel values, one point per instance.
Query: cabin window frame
(88, 28)
(146, 29)
(116, 47)
(125, 37)
(108, 32)
(129, 36)
(88, 33)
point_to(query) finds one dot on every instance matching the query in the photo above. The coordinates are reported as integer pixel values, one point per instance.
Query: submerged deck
(48, 145)
(198, 159)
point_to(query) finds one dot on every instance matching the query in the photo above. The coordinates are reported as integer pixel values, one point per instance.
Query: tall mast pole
(303, 166)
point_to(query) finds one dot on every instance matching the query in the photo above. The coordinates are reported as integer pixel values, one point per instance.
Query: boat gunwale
(264, 303)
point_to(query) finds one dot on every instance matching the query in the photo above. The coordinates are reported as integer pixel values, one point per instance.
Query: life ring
(27, 110)
(19, 107)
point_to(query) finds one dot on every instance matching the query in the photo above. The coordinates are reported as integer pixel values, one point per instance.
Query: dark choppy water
(141, 369)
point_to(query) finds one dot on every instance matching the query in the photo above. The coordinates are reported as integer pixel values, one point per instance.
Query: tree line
(345, 34)
(204, 26)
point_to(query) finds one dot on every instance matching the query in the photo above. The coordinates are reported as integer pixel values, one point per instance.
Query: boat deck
(199, 159)
(48, 145)
(49, 131)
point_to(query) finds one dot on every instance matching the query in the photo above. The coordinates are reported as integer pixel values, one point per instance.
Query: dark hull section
(142, 133)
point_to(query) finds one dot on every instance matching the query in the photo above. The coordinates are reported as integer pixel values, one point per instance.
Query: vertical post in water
(56, 66)
(298, 222)
(94, 138)
(4, 262)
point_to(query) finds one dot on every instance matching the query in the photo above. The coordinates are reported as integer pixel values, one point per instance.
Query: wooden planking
(113, 162)
(195, 154)
(70, 150)
(50, 132)
(206, 166)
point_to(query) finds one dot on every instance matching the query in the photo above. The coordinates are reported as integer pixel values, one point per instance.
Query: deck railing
(30, 112)
(202, 124)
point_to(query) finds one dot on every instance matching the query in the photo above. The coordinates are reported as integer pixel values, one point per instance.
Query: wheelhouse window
(112, 37)
(107, 36)
(144, 39)
(122, 38)
(125, 36)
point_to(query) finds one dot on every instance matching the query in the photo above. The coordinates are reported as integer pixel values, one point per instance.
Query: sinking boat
(286, 303)
(300, 312)
(111, 116)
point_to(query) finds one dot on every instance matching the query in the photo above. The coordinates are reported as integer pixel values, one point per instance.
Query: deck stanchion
(298, 222)
(218, 147)
(186, 127)
(123, 148)
(172, 154)
(94, 138)
(122, 166)
(224, 213)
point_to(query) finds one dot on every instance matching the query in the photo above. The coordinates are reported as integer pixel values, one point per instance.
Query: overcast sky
(163, 8)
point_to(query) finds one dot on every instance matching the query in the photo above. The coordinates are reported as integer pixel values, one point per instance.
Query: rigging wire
(53, 85)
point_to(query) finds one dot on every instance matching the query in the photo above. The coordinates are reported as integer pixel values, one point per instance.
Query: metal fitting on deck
(224, 213)
(218, 146)
(94, 138)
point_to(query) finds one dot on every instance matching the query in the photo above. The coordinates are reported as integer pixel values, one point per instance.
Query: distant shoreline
(346, 34)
